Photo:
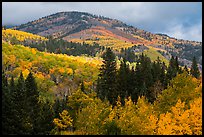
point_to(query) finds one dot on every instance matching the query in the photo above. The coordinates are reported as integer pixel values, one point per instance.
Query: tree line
(23, 113)
(146, 79)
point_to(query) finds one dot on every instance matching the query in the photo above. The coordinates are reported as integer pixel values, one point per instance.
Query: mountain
(84, 27)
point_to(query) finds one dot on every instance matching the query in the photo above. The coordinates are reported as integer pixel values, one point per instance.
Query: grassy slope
(153, 54)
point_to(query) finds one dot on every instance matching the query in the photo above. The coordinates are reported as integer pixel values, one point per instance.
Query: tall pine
(33, 106)
(20, 123)
(123, 80)
(173, 68)
(5, 105)
(194, 69)
(106, 85)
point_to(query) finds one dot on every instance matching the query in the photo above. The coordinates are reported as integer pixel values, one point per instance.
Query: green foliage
(6, 105)
(124, 83)
(153, 54)
(64, 47)
(181, 87)
(194, 69)
(45, 117)
(32, 99)
(173, 68)
(54, 93)
(106, 87)
(49, 69)
(92, 124)
(24, 114)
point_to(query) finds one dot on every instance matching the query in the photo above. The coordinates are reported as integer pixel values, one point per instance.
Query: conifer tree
(57, 108)
(133, 83)
(138, 81)
(5, 105)
(163, 78)
(123, 80)
(33, 106)
(173, 68)
(46, 118)
(20, 124)
(186, 69)
(194, 69)
(12, 85)
(107, 78)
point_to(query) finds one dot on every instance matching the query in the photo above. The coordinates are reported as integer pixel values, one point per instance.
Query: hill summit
(85, 27)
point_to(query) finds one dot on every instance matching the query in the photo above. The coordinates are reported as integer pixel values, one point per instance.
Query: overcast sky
(182, 20)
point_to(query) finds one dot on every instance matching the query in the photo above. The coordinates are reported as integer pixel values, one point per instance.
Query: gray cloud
(181, 20)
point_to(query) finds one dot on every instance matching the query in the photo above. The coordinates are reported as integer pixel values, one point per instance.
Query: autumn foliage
(184, 117)
(176, 110)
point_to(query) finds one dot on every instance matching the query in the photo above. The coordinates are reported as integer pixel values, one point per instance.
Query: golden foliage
(20, 35)
(141, 118)
(182, 121)
(20, 58)
(64, 122)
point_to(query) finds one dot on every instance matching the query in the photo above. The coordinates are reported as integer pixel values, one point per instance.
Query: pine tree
(186, 69)
(139, 81)
(46, 118)
(19, 122)
(107, 78)
(146, 75)
(33, 105)
(176, 63)
(57, 108)
(163, 78)
(123, 80)
(194, 69)
(5, 105)
(133, 83)
(173, 68)
(12, 85)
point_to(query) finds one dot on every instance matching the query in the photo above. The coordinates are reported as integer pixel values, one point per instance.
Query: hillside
(88, 28)
(21, 36)
(53, 71)
(72, 91)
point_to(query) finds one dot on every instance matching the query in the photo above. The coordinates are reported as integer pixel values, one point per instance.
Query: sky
(182, 20)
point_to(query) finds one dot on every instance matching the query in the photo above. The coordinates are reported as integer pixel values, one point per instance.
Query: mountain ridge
(65, 13)
(85, 27)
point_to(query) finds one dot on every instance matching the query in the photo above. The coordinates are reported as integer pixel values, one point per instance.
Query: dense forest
(54, 87)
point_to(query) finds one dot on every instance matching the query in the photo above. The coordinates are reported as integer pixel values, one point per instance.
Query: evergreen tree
(133, 83)
(122, 80)
(186, 69)
(146, 75)
(5, 105)
(19, 121)
(58, 108)
(138, 82)
(194, 69)
(173, 68)
(156, 70)
(46, 118)
(176, 63)
(12, 85)
(33, 106)
(163, 78)
(107, 78)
